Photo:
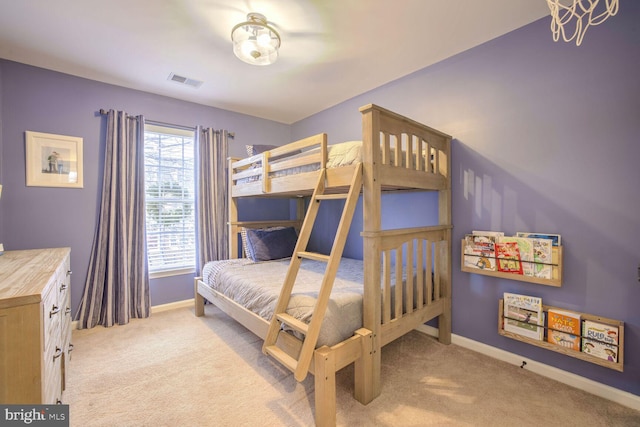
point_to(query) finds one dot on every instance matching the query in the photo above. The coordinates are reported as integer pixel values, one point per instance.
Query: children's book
(480, 252)
(508, 257)
(542, 258)
(556, 238)
(488, 233)
(523, 315)
(563, 328)
(600, 340)
(525, 248)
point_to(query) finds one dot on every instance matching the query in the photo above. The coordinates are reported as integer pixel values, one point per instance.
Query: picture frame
(53, 160)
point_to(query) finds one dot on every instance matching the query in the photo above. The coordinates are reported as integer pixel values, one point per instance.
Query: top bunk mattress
(256, 286)
(338, 155)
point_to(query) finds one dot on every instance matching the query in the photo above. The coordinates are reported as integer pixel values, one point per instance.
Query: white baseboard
(157, 308)
(172, 305)
(601, 390)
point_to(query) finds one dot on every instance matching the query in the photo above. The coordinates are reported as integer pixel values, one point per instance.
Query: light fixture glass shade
(254, 41)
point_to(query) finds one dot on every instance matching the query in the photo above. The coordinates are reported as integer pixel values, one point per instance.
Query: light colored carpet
(175, 369)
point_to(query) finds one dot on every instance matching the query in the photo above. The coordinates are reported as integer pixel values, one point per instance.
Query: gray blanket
(256, 286)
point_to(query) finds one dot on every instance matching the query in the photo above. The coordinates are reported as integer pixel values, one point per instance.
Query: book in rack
(611, 328)
(600, 340)
(527, 257)
(508, 257)
(523, 315)
(563, 328)
(525, 250)
(542, 257)
(555, 238)
(480, 252)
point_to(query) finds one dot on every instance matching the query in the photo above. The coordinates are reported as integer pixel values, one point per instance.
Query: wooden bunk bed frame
(423, 159)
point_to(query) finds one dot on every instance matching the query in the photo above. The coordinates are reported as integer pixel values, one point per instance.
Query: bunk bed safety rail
(305, 152)
(414, 152)
(415, 257)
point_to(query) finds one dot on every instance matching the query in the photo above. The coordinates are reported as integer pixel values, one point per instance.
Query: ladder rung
(313, 255)
(282, 357)
(332, 196)
(296, 324)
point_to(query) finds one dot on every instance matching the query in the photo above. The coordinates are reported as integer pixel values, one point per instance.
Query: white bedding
(256, 286)
(344, 154)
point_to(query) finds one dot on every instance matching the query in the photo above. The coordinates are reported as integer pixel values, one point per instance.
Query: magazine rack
(618, 366)
(556, 270)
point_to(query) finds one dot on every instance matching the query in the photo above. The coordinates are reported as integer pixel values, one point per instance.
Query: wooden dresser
(35, 325)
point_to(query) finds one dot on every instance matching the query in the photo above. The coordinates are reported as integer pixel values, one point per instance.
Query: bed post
(444, 213)
(325, 386)
(367, 370)
(199, 299)
(233, 213)
(301, 212)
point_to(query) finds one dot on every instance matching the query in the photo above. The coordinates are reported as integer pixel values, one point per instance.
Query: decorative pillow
(245, 245)
(265, 245)
(246, 249)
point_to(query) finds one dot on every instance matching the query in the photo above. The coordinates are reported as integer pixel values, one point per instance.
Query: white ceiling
(331, 50)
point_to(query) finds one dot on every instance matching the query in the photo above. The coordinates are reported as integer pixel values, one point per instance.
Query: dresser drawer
(51, 316)
(63, 277)
(52, 385)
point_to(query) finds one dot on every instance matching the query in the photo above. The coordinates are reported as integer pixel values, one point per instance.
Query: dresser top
(24, 275)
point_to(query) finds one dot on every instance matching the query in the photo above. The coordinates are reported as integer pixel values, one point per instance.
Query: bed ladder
(311, 331)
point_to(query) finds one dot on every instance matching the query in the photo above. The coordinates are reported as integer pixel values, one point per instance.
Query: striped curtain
(211, 204)
(117, 285)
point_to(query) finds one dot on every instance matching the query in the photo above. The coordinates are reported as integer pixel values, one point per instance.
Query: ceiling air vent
(185, 80)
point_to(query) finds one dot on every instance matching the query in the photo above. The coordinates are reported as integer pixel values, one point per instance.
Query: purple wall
(546, 139)
(44, 101)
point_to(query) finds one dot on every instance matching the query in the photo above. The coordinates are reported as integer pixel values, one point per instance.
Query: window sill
(169, 273)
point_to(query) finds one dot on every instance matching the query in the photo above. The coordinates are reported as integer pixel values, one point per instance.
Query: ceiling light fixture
(254, 41)
(573, 19)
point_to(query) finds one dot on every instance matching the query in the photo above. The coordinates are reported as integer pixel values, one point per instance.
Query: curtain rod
(231, 135)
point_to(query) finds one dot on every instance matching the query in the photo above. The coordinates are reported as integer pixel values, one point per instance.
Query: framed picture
(53, 160)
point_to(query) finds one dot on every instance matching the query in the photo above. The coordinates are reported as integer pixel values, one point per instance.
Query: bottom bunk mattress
(256, 286)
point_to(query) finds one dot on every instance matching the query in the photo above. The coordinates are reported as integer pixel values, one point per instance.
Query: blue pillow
(246, 249)
(265, 245)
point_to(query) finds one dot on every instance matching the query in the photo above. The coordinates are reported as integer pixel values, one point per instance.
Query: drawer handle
(58, 353)
(63, 286)
(69, 272)
(68, 310)
(55, 310)
(70, 348)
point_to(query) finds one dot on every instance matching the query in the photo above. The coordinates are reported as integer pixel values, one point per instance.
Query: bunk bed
(395, 154)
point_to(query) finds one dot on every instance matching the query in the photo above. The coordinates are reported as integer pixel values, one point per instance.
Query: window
(169, 187)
